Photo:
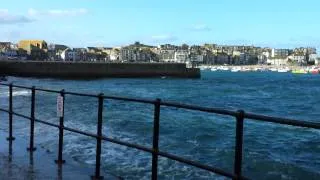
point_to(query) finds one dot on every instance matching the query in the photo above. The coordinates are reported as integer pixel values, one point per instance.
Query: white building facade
(68, 55)
(181, 56)
(278, 61)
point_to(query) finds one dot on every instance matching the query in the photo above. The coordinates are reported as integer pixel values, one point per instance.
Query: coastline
(261, 66)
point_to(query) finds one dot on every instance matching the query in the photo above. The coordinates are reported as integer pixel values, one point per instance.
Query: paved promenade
(17, 163)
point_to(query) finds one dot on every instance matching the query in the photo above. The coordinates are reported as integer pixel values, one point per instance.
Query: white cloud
(7, 18)
(58, 12)
(163, 38)
(201, 27)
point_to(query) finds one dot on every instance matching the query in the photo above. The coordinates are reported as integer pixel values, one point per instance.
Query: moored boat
(299, 71)
(225, 69)
(235, 69)
(273, 69)
(213, 69)
(314, 71)
(245, 70)
(283, 70)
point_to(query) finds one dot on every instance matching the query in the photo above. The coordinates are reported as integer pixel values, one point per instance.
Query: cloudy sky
(275, 23)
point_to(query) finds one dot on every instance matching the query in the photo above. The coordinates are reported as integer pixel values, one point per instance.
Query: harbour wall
(89, 70)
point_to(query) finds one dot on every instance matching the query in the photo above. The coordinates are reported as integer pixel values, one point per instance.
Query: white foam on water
(16, 93)
(21, 93)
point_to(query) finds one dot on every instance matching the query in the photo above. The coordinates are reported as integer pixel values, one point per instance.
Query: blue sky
(274, 23)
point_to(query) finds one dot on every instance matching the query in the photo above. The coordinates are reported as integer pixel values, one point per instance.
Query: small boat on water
(213, 69)
(222, 68)
(204, 68)
(225, 69)
(273, 69)
(314, 71)
(257, 69)
(283, 70)
(235, 69)
(299, 71)
(245, 70)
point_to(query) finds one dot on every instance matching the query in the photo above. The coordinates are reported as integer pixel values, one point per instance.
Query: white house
(313, 57)
(11, 53)
(114, 55)
(298, 59)
(244, 58)
(181, 56)
(262, 59)
(266, 54)
(68, 55)
(279, 53)
(278, 61)
(167, 55)
(197, 58)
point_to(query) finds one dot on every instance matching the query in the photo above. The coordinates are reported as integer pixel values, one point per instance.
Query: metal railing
(239, 116)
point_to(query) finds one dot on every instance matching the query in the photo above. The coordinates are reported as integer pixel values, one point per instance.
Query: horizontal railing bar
(143, 148)
(5, 84)
(284, 121)
(196, 164)
(86, 94)
(29, 118)
(23, 87)
(47, 90)
(263, 118)
(80, 132)
(109, 139)
(36, 120)
(130, 99)
(46, 123)
(86, 133)
(5, 110)
(20, 115)
(199, 108)
(81, 94)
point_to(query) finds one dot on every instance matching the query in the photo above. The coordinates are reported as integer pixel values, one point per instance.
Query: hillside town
(208, 54)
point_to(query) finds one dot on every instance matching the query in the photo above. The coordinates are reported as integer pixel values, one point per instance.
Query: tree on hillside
(184, 46)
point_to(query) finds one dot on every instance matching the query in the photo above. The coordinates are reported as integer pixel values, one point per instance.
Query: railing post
(156, 124)
(239, 143)
(31, 147)
(10, 138)
(99, 134)
(61, 126)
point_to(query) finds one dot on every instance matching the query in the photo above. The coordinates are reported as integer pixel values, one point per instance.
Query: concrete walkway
(17, 163)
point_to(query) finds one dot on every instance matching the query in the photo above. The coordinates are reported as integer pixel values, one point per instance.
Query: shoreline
(261, 66)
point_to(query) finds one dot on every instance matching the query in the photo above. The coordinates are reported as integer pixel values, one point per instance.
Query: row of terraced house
(137, 52)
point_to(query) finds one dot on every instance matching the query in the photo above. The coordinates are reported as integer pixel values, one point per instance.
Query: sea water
(271, 151)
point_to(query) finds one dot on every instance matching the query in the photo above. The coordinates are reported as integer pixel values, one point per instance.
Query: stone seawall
(83, 70)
